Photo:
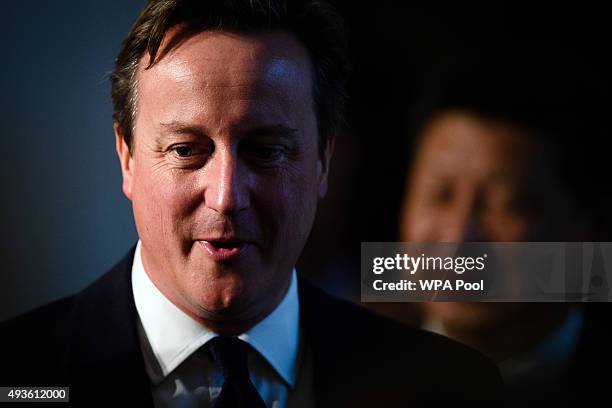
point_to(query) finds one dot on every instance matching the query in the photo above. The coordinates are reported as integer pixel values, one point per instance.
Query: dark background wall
(63, 217)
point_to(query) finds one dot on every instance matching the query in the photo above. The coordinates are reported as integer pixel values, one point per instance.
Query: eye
(267, 152)
(183, 150)
(441, 195)
(189, 154)
(514, 202)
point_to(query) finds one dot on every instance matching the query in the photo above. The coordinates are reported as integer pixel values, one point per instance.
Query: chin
(223, 298)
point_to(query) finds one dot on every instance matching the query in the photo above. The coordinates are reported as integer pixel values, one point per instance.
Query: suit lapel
(331, 354)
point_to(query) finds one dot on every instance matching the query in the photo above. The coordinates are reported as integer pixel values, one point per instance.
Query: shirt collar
(174, 336)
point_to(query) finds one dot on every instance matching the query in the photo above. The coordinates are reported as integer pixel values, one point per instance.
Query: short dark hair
(315, 23)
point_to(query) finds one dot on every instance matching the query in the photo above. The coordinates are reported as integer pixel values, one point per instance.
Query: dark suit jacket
(587, 379)
(591, 362)
(89, 342)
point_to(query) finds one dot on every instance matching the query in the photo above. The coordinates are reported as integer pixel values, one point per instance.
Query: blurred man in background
(502, 156)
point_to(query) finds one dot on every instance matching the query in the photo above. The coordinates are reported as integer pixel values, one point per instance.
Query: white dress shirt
(182, 373)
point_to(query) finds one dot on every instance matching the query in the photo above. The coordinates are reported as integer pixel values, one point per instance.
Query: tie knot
(230, 355)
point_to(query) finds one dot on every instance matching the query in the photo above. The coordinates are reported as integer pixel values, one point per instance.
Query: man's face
(483, 180)
(225, 174)
(475, 179)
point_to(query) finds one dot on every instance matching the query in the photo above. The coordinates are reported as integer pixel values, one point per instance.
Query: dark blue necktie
(230, 356)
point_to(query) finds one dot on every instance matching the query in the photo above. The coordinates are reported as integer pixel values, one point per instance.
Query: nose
(464, 221)
(227, 183)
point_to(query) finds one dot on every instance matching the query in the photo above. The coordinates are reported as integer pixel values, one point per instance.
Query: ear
(126, 161)
(323, 167)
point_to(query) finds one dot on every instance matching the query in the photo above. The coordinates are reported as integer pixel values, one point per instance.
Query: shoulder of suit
(357, 321)
(33, 344)
(399, 350)
(43, 321)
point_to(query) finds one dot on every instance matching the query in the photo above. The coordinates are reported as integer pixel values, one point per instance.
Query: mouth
(224, 249)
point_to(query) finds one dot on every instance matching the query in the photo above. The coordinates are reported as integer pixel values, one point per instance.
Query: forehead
(226, 68)
(230, 53)
(458, 142)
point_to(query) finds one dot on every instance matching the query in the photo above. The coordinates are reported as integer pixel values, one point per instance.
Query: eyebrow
(496, 177)
(182, 128)
(277, 130)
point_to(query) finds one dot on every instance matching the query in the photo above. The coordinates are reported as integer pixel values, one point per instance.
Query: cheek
(161, 201)
(419, 223)
(291, 201)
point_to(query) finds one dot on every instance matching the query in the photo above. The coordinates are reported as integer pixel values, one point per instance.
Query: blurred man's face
(225, 173)
(480, 180)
